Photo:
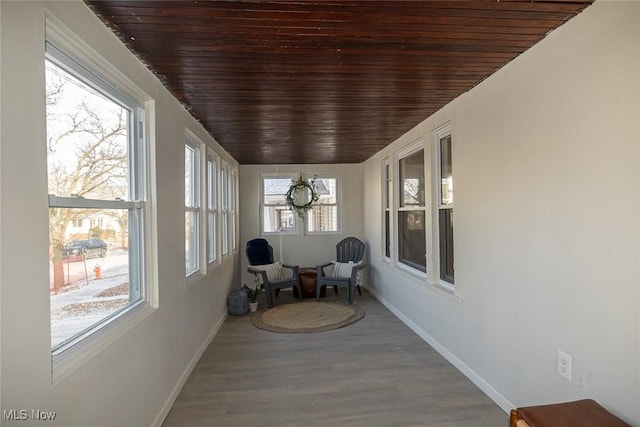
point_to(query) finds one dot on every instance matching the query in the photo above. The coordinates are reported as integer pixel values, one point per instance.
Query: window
(323, 216)
(386, 197)
(192, 206)
(96, 170)
(224, 214)
(277, 218)
(411, 209)
(445, 205)
(233, 211)
(212, 207)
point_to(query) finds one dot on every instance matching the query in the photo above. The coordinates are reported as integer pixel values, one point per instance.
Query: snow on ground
(81, 304)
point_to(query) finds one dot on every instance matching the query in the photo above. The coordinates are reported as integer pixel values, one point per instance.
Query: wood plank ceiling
(278, 82)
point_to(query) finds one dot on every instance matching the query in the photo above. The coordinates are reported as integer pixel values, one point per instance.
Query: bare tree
(87, 155)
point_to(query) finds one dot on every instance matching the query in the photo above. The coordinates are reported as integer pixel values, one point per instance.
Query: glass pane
(274, 189)
(211, 237)
(189, 176)
(326, 188)
(211, 173)
(225, 188)
(277, 219)
(191, 241)
(232, 191)
(387, 237)
(322, 218)
(232, 231)
(446, 172)
(446, 245)
(412, 241)
(87, 140)
(89, 276)
(411, 169)
(386, 189)
(225, 232)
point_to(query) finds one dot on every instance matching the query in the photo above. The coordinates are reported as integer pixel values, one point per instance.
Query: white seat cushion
(343, 269)
(274, 271)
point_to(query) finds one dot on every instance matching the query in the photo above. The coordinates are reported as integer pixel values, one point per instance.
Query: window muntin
(97, 200)
(445, 206)
(323, 217)
(192, 205)
(212, 207)
(276, 217)
(411, 210)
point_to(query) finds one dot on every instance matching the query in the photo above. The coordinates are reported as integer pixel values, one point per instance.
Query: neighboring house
(99, 224)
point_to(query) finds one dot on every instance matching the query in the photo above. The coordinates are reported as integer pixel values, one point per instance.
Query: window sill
(412, 272)
(69, 358)
(447, 290)
(275, 233)
(194, 278)
(212, 265)
(322, 233)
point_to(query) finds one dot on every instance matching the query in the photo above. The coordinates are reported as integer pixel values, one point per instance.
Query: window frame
(441, 238)
(64, 48)
(264, 204)
(226, 250)
(399, 209)
(387, 211)
(212, 211)
(198, 194)
(337, 205)
(233, 209)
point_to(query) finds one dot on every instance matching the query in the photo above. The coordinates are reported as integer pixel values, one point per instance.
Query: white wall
(133, 381)
(305, 251)
(546, 159)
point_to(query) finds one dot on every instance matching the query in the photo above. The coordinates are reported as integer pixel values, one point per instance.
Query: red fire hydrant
(97, 271)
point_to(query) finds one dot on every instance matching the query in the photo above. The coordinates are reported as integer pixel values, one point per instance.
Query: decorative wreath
(301, 184)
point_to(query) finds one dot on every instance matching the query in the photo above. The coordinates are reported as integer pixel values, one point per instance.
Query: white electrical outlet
(563, 365)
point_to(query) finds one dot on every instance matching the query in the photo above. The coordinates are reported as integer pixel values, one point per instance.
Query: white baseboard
(487, 388)
(185, 375)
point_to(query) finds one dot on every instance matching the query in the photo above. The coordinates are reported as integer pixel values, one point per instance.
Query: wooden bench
(581, 413)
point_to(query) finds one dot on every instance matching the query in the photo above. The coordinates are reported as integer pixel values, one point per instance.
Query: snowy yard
(80, 304)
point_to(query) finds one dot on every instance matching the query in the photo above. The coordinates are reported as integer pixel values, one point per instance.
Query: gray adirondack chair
(349, 249)
(260, 253)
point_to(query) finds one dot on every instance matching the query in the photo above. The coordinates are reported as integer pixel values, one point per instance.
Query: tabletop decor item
(292, 195)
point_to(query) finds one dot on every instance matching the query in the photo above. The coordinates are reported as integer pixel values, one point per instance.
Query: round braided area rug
(307, 317)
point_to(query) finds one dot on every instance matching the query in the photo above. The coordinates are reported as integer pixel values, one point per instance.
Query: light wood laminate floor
(376, 372)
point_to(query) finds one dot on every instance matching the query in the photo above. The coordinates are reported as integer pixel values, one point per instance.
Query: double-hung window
(276, 217)
(212, 207)
(412, 208)
(323, 217)
(97, 184)
(386, 211)
(224, 212)
(192, 205)
(233, 209)
(445, 205)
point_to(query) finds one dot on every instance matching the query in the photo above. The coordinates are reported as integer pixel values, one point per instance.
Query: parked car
(83, 249)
